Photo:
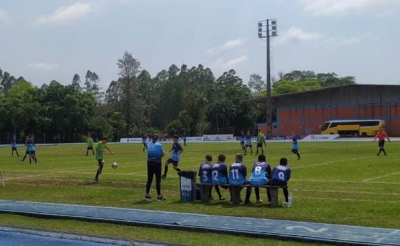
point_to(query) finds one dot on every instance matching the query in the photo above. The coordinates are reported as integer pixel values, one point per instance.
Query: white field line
(337, 161)
(349, 192)
(94, 166)
(347, 199)
(379, 177)
(48, 170)
(138, 174)
(342, 181)
(383, 238)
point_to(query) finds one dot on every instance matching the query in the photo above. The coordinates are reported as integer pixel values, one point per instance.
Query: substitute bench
(236, 190)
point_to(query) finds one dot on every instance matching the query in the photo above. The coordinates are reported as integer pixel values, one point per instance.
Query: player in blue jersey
(249, 144)
(205, 174)
(260, 175)
(144, 142)
(32, 149)
(237, 171)
(184, 139)
(14, 146)
(295, 147)
(242, 139)
(26, 150)
(175, 156)
(238, 174)
(155, 153)
(220, 171)
(280, 176)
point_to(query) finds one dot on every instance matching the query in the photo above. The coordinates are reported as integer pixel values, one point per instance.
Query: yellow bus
(363, 128)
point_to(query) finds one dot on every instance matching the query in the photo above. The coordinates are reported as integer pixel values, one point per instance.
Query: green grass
(341, 183)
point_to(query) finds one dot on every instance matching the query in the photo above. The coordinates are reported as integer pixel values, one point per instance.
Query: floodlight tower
(268, 29)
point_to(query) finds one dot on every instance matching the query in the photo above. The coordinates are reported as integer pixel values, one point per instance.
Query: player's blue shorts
(295, 151)
(32, 152)
(175, 163)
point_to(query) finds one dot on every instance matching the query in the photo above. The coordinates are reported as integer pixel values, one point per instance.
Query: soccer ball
(114, 165)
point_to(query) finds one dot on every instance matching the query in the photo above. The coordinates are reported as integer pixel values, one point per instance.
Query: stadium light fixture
(267, 29)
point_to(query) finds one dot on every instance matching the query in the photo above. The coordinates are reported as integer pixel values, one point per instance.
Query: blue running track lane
(28, 237)
(302, 231)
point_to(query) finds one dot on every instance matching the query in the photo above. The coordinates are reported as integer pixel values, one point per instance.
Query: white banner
(131, 140)
(162, 140)
(321, 137)
(219, 137)
(193, 139)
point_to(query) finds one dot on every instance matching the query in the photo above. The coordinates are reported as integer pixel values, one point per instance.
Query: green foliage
(287, 86)
(174, 127)
(298, 81)
(176, 100)
(256, 84)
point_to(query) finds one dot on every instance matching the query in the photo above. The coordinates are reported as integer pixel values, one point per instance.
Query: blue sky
(44, 40)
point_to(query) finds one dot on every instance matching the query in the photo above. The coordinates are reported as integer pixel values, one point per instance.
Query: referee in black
(155, 153)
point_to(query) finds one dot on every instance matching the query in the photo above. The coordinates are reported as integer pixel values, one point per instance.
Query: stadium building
(304, 112)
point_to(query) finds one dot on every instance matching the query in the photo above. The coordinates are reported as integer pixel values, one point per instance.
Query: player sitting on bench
(280, 177)
(260, 175)
(238, 174)
(205, 174)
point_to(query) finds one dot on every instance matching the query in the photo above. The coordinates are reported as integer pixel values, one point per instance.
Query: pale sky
(44, 40)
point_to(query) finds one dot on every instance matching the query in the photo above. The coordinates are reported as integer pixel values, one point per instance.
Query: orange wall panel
(344, 112)
(316, 113)
(394, 127)
(290, 114)
(373, 111)
(395, 110)
(291, 120)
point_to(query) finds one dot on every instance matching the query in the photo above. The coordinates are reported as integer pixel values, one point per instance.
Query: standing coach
(155, 154)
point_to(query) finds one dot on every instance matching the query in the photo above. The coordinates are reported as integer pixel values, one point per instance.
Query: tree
(19, 106)
(6, 81)
(256, 84)
(123, 94)
(76, 82)
(92, 85)
(227, 110)
(128, 66)
(297, 81)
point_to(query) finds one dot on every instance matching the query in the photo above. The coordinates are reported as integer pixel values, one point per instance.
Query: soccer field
(341, 183)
